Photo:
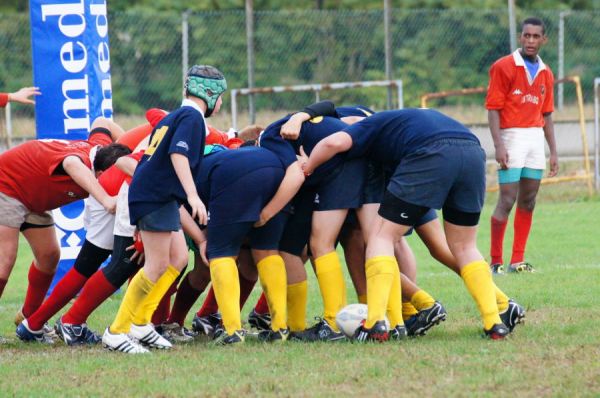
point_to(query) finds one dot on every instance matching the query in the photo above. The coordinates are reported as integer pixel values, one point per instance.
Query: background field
(556, 353)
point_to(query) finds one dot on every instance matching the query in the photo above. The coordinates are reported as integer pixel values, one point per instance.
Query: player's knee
(48, 260)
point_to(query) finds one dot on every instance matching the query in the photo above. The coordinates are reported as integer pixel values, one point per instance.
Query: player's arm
(84, 177)
(494, 123)
(21, 96)
(326, 149)
(126, 164)
(289, 187)
(550, 139)
(181, 165)
(290, 130)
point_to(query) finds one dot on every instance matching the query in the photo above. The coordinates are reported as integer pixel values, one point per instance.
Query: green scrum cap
(207, 83)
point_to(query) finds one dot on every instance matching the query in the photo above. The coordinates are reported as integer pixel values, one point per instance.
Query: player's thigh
(9, 243)
(326, 226)
(178, 254)
(462, 241)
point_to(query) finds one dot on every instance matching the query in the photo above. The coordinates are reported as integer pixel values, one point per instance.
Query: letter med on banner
(71, 66)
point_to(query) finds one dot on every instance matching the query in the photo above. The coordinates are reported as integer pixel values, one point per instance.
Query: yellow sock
(380, 278)
(143, 315)
(136, 292)
(362, 298)
(273, 278)
(332, 286)
(478, 279)
(296, 306)
(408, 310)
(501, 299)
(394, 307)
(226, 285)
(422, 300)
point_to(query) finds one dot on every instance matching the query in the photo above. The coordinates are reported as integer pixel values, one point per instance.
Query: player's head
(533, 36)
(106, 156)
(207, 83)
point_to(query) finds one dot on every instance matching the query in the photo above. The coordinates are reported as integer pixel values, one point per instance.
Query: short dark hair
(534, 21)
(106, 156)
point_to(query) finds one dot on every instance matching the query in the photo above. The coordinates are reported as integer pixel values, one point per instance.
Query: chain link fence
(432, 50)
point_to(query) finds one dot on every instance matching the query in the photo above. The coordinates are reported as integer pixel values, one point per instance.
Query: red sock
(161, 313)
(498, 228)
(210, 305)
(96, 290)
(522, 226)
(184, 300)
(39, 282)
(262, 306)
(2, 285)
(246, 287)
(63, 291)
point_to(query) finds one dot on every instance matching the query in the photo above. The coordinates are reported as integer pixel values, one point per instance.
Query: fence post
(388, 48)
(561, 56)
(184, 44)
(512, 25)
(250, 50)
(597, 132)
(8, 115)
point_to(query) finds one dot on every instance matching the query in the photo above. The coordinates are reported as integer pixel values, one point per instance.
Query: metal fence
(432, 50)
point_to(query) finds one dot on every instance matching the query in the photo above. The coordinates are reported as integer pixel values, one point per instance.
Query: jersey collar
(519, 61)
(189, 102)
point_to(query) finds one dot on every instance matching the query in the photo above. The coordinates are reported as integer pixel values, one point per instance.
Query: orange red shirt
(521, 99)
(32, 172)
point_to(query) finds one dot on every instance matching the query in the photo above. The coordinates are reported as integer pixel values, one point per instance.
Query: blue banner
(71, 66)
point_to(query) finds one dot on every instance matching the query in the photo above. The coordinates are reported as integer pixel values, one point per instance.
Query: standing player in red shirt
(39, 176)
(520, 103)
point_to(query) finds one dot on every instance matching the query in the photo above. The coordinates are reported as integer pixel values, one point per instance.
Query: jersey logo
(517, 92)
(183, 144)
(542, 89)
(317, 119)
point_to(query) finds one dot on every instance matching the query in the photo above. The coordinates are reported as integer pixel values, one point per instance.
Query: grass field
(555, 353)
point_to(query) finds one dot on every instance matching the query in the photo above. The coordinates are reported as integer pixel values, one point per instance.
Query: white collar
(519, 61)
(92, 156)
(189, 102)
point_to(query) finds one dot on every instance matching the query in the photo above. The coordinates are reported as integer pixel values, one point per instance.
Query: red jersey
(521, 99)
(3, 99)
(32, 173)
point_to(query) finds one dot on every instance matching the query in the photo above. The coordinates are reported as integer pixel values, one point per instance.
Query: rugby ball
(351, 318)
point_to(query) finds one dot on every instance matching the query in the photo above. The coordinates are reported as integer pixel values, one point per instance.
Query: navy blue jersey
(389, 136)
(223, 168)
(311, 133)
(356, 110)
(154, 182)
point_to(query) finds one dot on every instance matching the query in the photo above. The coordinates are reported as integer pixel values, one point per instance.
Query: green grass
(555, 353)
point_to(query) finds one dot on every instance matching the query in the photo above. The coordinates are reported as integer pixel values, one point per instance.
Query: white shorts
(123, 226)
(99, 224)
(525, 147)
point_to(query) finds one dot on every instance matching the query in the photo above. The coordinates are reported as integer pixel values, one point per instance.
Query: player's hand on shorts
(198, 209)
(291, 129)
(138, 246)
(110, 204)
(502, 157)
(23, 95)
(202, 251)
(263, 219)
(553, 165)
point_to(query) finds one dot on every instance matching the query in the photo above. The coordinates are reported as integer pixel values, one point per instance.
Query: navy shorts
(296, 233)
(447, 173)
(243, 199)
(344, 189)
(375, 183)
(226, 240)
(164, 219)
